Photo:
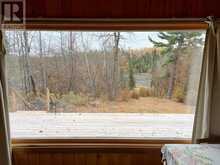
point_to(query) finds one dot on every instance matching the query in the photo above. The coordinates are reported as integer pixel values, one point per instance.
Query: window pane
(103, 84)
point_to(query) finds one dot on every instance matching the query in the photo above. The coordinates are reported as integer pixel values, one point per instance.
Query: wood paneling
(122, 8)
(86, 156)
(88, 151)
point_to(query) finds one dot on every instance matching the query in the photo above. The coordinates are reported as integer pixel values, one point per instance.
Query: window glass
(72, 84)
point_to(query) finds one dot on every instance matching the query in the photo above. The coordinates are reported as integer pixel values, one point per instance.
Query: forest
(69, 71)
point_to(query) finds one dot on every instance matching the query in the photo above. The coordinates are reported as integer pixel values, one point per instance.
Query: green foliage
(173, 45)
(170, 42)
(145, 63)
(131, 82)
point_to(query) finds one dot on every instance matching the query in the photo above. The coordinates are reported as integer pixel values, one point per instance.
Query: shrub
(39, 103)
(75, 99)
(125, 94)
(134, 94)
(104, 98)
(179, 94)
(144, 92)
(131, 82)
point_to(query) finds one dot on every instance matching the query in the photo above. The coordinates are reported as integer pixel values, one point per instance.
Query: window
(69, 84)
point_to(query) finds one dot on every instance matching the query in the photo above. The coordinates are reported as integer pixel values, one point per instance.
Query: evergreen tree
(172, 44)
(131, 82)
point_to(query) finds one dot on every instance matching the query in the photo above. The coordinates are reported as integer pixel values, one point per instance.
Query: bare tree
(24, 51)
(72, 54)
(114, 70)
(42, 65)
(91, 74)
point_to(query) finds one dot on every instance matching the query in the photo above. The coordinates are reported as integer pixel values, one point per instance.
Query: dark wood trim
(95, 143)
(110, 24)
(213, 139)
(63, 149)
(98, 140)
(85, 155)
(121, 8)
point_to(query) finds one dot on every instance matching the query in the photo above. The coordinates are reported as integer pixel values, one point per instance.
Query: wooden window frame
(93, 143)
(105, 25)
(111, 24)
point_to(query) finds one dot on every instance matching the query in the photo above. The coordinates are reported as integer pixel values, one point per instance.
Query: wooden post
(48, 99)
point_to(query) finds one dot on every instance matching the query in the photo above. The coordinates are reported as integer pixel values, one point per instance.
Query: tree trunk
(42, 66)
(48, 99)
(72, 62)
(91, 74)
(172, 79)
(30, 83)
(61, 47)
(116, 71)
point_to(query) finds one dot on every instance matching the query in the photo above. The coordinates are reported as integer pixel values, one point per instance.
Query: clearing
(141, 105)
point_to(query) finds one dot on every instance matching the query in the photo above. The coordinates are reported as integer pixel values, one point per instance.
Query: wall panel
(89, 151)
(122, 8)
(74, 156)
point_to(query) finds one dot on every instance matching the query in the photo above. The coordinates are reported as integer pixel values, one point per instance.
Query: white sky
(51, 39)
(130, 39)
(138, 39)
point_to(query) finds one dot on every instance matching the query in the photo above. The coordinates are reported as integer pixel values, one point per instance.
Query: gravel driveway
(100, 125)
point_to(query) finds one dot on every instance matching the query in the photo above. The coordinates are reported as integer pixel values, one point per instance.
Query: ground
(33, 124)
(141, 105)
(146, 117)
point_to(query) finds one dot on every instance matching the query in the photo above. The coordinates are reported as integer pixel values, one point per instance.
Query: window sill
(96, 143)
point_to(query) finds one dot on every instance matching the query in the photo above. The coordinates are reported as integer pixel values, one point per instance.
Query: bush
(75, 99)
(39, 103)
(144, 92)
(131, 82)
(125, 94)
(179, 94)
(134, 94)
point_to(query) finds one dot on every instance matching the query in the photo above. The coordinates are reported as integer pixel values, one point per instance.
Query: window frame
(110, 24)
(105, 25)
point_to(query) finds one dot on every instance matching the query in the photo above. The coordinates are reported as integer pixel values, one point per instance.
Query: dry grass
(141, 105)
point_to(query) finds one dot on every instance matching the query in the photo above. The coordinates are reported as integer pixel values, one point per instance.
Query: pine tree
(172, 44)
(131, 81)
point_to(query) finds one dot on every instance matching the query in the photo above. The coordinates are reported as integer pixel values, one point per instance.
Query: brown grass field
(141, 105)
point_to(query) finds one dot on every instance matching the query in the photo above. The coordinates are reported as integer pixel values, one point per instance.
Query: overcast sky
(138, 39)
(131, 40)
